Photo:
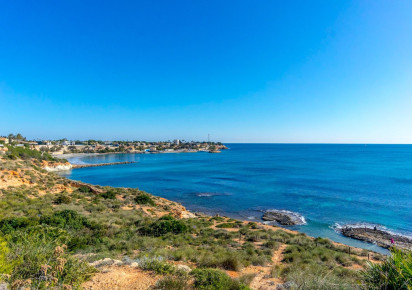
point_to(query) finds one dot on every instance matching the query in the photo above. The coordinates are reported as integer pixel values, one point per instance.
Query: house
(68, 143)
(4, 140)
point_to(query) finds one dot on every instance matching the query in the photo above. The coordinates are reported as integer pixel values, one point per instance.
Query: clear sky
(243, 71)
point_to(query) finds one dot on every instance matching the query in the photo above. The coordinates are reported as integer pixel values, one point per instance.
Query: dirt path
(114, 277)
(263, 280)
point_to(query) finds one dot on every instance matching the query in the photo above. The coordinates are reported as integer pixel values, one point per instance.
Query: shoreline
(73, 155)
(370, 242)
(262, 224)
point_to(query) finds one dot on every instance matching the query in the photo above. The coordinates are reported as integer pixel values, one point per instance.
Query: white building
(177, 142)
(69, 143)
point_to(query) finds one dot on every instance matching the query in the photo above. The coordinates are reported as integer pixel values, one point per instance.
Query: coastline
(267, 225)
(261, 224)
(254, 247)
(74, 155)
(356, 242)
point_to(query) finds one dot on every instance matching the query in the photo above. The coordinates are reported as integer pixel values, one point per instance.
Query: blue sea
(330, 185)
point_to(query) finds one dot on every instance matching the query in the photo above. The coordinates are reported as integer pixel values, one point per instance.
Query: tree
(19, 137)
(11, 137)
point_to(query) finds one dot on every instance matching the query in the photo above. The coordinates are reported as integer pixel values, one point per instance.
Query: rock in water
(283, 217)
(377, 236)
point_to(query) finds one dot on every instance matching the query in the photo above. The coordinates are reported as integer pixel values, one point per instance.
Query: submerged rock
(284, 217)
(376, 236)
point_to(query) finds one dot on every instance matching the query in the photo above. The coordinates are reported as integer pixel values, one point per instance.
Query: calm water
(327, 184)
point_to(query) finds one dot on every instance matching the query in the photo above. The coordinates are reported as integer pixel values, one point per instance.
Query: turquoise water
(327, 184)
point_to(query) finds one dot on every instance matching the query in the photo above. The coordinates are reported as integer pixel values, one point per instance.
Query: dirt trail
(114, 277)
(262, 281)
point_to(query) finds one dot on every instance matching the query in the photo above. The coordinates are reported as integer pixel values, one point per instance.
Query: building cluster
(97, 146)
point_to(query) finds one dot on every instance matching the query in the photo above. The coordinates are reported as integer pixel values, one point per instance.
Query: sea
(329, 185)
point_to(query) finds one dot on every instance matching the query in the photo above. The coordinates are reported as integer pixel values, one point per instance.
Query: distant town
(65, 146)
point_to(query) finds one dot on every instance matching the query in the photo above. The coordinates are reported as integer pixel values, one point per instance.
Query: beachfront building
(177, 142)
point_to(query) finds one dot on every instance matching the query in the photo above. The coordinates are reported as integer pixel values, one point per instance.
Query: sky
(241, 71)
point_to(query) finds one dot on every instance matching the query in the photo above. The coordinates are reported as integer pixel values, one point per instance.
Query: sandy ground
(124, 277)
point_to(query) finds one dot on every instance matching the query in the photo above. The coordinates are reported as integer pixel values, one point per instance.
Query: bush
(156, 264)
(271, 245)
(66, 219)
(394, 273)
(12, 224)
(172, 283)
(215, 279)
(313, 276)
(62, 199)
(144, 198)
(5, 266)
(108, 194)
(84, 189)
(226, 225)
(41, 260)
(164, 225)
(26, 153)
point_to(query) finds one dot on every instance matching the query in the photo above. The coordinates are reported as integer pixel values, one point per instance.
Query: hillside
(55, 232)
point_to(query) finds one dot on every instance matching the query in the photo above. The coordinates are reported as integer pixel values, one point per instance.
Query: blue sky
(242, 71)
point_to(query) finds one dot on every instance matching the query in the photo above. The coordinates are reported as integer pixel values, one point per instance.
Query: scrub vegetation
(49, 239)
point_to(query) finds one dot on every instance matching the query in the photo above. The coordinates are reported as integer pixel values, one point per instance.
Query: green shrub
(5, 266)
(66, 219)
(84, 189)
(26, 153)
(313, 276)
(164, 225)
(217, 218)
(41, 259)
(215, 279)
(172, 283)
(156, 264)
(144, 198)
(108, 194)
(225, 225)
(231, 262)
(11, 224)
(62, 199)
(394, 273)
(271, 245)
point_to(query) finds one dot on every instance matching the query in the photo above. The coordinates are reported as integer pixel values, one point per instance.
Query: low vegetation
(48, 240)
(394, 273)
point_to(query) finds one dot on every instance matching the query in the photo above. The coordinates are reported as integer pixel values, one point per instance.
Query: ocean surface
(330, 185)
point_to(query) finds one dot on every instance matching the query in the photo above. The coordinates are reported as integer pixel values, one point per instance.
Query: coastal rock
(283, 217)
(379, 237)
(53, 167)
